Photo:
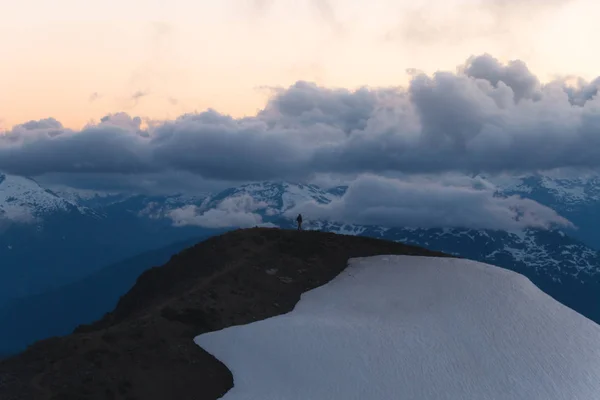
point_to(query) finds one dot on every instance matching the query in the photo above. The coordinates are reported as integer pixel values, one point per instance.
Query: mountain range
(48, 240)
(78, 251)
(574, 196)
(281, 314)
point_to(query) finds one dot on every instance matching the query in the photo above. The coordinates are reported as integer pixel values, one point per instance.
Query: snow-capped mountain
(130, 224)
(544, 252)
(561, 265)
(575, 197)
(89, 198)
(562, 191)
(151, 206)
(49, 238)
(24, 200)
(278, 197)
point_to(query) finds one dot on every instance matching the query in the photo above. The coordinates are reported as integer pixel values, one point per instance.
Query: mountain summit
(24, 200)
(145, 348)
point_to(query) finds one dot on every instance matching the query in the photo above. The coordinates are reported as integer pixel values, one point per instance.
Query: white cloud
(239, 211)
(424, 203)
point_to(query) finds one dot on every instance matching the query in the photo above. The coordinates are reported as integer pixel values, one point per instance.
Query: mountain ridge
(59, 311)
(144, 348)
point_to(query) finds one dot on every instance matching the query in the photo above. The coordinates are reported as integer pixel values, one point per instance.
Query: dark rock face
(144, 349)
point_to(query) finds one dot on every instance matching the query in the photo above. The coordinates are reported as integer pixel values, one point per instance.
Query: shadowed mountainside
(59, 311)
(144, 349)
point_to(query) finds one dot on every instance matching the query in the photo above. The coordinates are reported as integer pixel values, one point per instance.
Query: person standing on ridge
(299, 221)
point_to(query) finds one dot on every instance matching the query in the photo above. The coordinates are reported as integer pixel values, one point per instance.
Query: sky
(160, 96)
(78, 61)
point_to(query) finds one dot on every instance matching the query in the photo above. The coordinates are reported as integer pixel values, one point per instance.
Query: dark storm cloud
(39, 147)
(487, 117)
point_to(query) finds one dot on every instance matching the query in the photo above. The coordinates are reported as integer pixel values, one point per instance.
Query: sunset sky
(77, 61)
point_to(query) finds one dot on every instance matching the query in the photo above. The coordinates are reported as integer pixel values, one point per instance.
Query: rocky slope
(144, 349)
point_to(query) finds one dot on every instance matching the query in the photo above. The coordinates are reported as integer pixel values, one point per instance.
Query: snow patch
(400, 327)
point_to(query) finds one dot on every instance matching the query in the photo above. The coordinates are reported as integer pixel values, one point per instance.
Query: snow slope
(415, 328)
(279, 196)
(23, 199)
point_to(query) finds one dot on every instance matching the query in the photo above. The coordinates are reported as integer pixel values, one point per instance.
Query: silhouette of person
(299, 221)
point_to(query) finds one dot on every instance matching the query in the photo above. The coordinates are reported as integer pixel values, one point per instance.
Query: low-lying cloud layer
(418, 202)
(374, 200)
(485, 117)
(232, 212)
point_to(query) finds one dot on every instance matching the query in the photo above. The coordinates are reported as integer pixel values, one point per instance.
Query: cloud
(441, 22)
(152, 183)
(327, 13)
(486, 117)
(14, 214)
(324, 8)
(45, 124)
(262, 5)
(94, 96)
(375, 200)
(515, 75)
(237, 212)
(137, 95)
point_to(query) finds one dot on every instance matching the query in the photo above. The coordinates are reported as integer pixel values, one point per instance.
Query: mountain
(279, 197)
(108, 228)
(24, 200)
(556, 262)
(561, 266)
(59, 311)
(48, 240)
(488, 317)
(402, 327)
(144, 348)
(36, 227)
(576, 197)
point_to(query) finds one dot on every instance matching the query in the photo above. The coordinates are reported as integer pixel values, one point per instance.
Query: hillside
(144, 349)
(59, 311)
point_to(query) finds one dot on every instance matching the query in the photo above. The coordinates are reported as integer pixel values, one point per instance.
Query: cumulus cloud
(515, 75)
(239, 212)
(375, 200)
(486, 117)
